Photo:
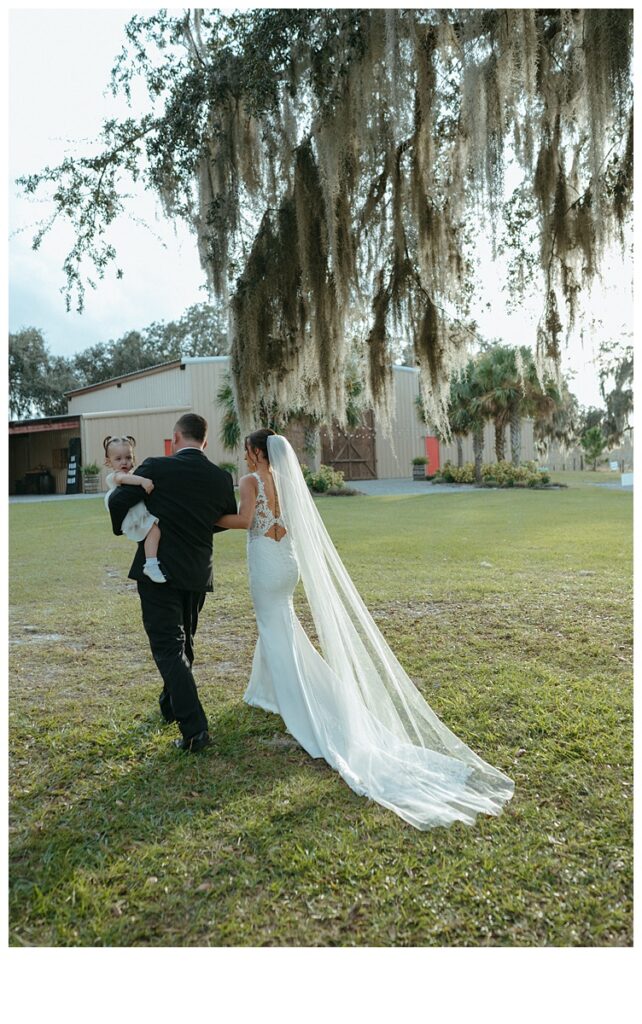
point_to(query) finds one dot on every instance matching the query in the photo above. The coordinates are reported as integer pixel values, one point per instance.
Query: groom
(190, 494)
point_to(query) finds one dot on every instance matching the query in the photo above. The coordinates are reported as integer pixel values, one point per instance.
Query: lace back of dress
(264, 518)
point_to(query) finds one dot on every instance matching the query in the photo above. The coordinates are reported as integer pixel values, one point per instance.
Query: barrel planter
(90, 483)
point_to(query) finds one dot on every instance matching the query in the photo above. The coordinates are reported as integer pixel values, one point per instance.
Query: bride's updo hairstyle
(258, 439)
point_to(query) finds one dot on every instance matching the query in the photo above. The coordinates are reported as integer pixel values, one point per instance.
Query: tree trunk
(500, 440)
(478, 449)
(515, 436)
(460, 451)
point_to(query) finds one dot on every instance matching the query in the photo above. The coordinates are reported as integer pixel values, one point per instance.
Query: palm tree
(511, 389)
(466, 413)
(230, 435)
(461, 420)
(501, 391)
(539, 401)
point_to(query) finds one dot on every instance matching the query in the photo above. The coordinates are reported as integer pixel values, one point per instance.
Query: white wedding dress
(355, 706)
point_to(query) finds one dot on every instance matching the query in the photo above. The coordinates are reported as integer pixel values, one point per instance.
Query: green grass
(117, 839)
(585, 477)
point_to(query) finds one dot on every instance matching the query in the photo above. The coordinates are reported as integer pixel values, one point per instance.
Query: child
(139, 524)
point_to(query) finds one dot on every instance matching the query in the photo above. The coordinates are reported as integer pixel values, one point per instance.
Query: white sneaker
(154, 571)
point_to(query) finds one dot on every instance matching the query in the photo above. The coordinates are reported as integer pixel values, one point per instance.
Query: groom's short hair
(193, 426)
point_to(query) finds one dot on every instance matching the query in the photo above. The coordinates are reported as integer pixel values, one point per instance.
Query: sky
(74, 51)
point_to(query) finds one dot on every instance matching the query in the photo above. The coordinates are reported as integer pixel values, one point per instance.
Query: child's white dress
(138, 521)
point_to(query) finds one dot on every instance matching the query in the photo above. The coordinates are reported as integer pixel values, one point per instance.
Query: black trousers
(170, 618)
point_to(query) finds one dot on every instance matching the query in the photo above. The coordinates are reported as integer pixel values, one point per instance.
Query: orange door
(432, 452)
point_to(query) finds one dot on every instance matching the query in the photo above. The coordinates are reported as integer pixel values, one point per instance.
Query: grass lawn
(586, 477)
(511, 610)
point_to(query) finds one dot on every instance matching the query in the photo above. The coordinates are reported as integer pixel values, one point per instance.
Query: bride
(355, 706)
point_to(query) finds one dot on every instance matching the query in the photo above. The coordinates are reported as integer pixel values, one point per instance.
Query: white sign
(614, 465)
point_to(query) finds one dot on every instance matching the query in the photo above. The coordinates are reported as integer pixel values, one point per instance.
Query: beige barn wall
(206, 375)
(150, 427)
(155, 390)
(395, 453)
(148, 406)
(173, 391)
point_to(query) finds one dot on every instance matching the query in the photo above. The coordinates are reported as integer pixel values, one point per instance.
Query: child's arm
(136, 481)
(248, 491)
(121, 499)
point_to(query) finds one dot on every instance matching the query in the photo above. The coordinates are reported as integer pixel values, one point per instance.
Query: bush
(450, 474)
(324, 479)
(342, 492)
(496, 474)
(505, 474)
(445, 474)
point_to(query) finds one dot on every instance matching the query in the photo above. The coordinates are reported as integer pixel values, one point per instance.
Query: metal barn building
(147, 403)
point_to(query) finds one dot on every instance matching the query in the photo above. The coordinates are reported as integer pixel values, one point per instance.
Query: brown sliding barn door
(351, 451)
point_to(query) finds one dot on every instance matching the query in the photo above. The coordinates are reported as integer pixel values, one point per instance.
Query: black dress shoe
(194, 743)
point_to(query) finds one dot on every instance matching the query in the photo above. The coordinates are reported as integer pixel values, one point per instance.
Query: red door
(432, 452)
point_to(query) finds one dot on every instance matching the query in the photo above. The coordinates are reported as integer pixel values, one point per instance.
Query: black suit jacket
(190, 494)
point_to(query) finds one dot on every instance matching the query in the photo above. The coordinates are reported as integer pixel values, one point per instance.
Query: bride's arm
(247, 494)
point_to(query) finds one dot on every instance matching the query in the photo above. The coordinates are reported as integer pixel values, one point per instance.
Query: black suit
(190, 494)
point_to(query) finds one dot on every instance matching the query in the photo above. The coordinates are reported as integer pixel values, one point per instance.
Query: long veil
(394, 747)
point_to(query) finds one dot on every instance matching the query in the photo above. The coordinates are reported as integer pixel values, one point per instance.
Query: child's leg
(151, 567)
(151, 542)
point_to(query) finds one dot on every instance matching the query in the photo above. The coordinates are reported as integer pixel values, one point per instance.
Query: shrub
(495, 474)
(230, 467)
(324, 479)
(450, 474)
(342, 492)
(505, 474)
(444, 475)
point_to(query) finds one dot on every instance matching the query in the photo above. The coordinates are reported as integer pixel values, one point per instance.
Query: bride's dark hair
(258, 439)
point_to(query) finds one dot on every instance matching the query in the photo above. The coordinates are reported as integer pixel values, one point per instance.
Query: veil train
(379, 732)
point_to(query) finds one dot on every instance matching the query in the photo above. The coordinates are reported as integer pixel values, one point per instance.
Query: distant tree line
(39, 380)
